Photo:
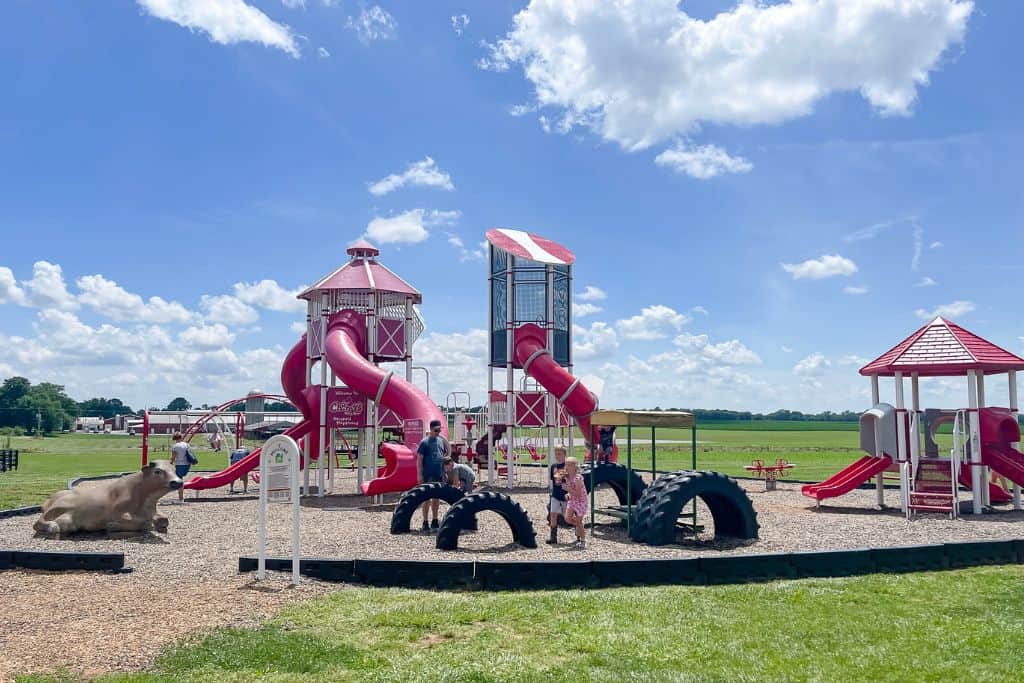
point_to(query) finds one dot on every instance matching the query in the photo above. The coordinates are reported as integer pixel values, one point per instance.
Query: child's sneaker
(434, 524)
(583, 544)
(426, 526)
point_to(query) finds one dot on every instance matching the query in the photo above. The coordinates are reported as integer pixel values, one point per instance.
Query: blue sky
(764, 195)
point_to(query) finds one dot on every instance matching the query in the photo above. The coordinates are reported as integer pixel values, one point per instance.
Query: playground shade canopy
(643, 418)
(943, 349)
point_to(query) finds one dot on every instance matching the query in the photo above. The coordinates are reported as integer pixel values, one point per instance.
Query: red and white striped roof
(363, 272)
(943, 349)
(530, 246)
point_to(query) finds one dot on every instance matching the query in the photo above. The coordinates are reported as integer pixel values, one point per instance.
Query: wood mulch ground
(187, 581)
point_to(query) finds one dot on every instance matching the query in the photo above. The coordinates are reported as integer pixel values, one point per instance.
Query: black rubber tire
(458, 515)
(411, 500)
(730, 506)
(640, 525)
(616, 477)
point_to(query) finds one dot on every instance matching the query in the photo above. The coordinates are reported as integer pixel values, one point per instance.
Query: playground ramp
(1005, 461)
(848, 478)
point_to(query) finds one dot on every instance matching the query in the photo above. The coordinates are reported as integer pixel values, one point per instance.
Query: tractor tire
(460, 514)
(411, 500)
(730, 506)
(641, 523)
(617, 478)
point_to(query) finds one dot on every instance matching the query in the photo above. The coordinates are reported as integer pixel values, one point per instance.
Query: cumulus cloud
(584, 309)
(271, 296)
(812, 366)
(653, 322)
(203, 336)
(829, 265)
(701, 162)
(731, 352)
(592, 293)
(855, 290)
(409, 227)
(418, 174)
(951, 310)
(459, 23)
(597, 341)
(227, 309)
(639, 72)
(111, 300)
(323, 52)
(10, 292)
(373, 23)
(47, 288)
(225, 21)
(925, 282)
(465, 254)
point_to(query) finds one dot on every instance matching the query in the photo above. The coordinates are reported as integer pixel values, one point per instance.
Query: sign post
(279, 483)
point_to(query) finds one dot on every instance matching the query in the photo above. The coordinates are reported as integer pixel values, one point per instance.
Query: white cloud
(226, 22)
(10, 292)
(699, 309)
(852, 359)
(786, 349)
(271, 296)
(592, 293)
(322, 53)
(294, 4)
(855, 291)
(732, 352)
(654, 322)
(459, 23)
(522, 109)
(227, 309)
(701, 162)
(298, 327)
(373, 23)
(584, 309)
(205, 336)
(47, 288)
(642, 71)
(477, 254)
(926, 282)
(871, 231)
(818, 269)
(597, 341)
(936, 245)
(409, 227)
(915, 260)
(812, 366)
(952, 310)
(109, 299)
(419, 174)
(457, 361)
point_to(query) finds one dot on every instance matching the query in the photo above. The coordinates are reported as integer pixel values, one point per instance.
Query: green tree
(12, 390)
(104, 407)
(179, 403)
(47, 405)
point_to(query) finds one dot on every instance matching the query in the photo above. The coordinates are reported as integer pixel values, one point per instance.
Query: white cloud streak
(225, 21)
(418, 174)
(829, 265)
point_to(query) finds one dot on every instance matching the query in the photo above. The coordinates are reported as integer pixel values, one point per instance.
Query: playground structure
(985, 439)
(358, 316)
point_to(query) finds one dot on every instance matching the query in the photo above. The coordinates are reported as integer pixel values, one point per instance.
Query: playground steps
(933, 486)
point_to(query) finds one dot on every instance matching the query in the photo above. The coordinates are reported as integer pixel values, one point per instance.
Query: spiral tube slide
(530, 351)
(343, 349)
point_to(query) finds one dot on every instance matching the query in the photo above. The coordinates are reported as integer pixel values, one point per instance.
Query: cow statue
(125, 504)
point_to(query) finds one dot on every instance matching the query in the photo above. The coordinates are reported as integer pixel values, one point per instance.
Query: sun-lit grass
(963, 625)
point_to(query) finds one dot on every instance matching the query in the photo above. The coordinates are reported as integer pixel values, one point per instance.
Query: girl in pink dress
(577, 493)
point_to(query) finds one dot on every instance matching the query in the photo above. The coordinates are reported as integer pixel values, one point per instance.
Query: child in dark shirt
(558, 501)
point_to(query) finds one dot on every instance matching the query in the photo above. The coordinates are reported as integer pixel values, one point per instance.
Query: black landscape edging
(704, 570)
(62, 561)
(21, 512)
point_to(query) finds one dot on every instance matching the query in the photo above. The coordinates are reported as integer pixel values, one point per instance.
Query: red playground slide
(848, 478)
(996, 493)
(343, 348)
(532, 355)
(292, 379)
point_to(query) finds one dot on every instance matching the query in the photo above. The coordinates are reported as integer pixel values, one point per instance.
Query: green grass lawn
(963, 625)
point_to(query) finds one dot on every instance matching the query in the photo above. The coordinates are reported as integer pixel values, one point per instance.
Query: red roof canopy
(943, 349)
(363, 273)
(530, 246)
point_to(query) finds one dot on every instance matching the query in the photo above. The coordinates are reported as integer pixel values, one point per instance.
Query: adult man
(430, 455)
(460, 475)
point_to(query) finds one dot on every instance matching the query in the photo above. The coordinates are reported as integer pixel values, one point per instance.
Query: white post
(320, 469)
(901, 443)
(880, 477)
(975, 441)
(550, 411)
(261, 534)
(296, 510)
(489, 430)
(875, 395)
(915, 424)
(1012, 380)
(309, 369)
(986, 475)
(510, 371)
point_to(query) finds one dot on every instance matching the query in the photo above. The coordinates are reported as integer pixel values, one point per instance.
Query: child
(576, 510)
(557, 502)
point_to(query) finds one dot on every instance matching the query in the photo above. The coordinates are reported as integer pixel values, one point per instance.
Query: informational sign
(413, 432)
(346, 408)
(279, 483)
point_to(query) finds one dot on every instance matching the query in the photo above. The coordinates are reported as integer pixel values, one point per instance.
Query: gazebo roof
(363, 273)
(943, 349)
(530, 246)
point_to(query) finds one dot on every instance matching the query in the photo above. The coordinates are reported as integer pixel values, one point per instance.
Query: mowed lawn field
(818, 450)
(953, 626)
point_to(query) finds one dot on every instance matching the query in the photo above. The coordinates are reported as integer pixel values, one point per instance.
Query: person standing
(576, 510)
(558, 501)
(430, 455)
(182, 458)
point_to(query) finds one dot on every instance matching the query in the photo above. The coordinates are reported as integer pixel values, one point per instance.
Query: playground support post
(915, 425)
(510, 397)
(986, 475)
(876, 398)
(654, 456)
(145, 438)
(901, 442)
(693, 465)
(975, 441)
(1011, 378)
(320, 471)
(629, 478)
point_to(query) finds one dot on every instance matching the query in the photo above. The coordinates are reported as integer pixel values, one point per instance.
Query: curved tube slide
(343, 349)
(530, 351)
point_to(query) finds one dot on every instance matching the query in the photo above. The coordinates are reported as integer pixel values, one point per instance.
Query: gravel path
(188, 580)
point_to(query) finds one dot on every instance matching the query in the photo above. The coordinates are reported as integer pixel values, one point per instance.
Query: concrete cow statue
(125, 504)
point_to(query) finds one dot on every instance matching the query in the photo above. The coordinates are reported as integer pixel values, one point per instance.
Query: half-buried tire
(641, 523)
(411, 500)
(731, 508)
(617, 478)
(460, 513)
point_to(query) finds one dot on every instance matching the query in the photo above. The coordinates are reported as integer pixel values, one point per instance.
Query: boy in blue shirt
(430, 455)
